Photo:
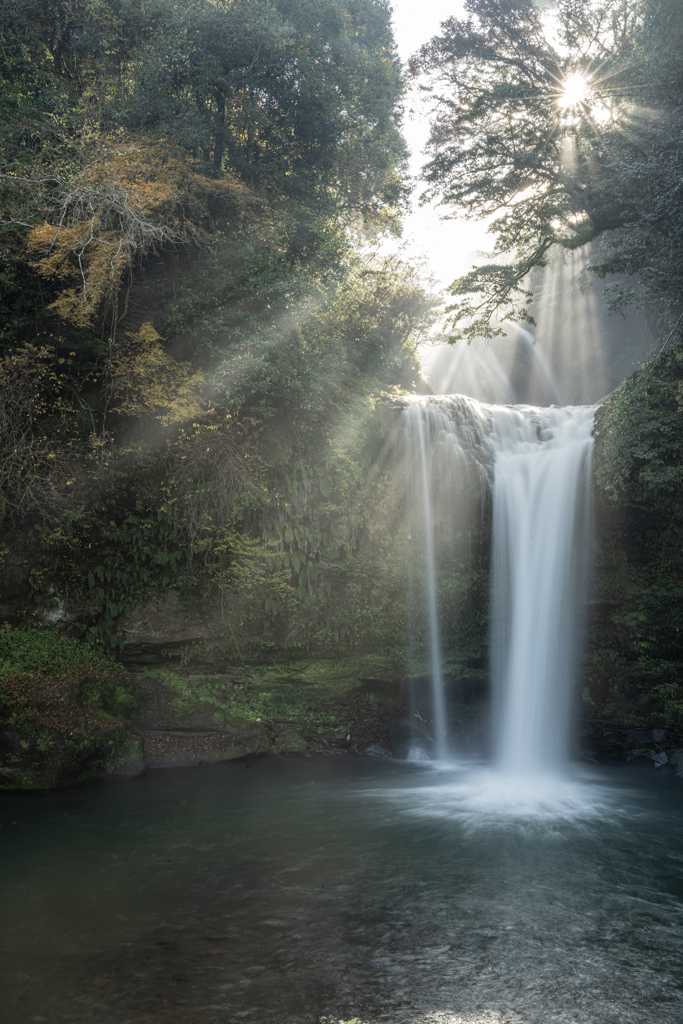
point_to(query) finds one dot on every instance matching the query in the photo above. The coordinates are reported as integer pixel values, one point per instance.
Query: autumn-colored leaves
(127, 201)
(148, 382)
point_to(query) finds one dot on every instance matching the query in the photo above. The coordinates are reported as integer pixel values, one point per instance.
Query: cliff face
(634, 672)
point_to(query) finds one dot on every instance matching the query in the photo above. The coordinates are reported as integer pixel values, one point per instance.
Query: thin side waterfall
(441, 436)
(536, 463)
(541, 541)
(440, 728)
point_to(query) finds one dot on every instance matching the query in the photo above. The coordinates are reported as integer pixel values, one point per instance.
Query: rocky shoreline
(614, 741)
(165, 738)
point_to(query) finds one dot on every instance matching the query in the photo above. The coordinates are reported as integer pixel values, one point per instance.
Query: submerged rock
(374, 750)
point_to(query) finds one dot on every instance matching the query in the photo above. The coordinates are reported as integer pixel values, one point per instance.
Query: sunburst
(575, 91)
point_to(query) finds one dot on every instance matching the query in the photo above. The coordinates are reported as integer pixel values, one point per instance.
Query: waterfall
(442, 435)
(536, 463)
(540, 544)
(439, 703)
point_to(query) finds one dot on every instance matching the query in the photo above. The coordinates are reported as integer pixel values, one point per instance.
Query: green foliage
(133, 128)
(641, 457)
(635, 667)
(46, 652)
(112, 552)
(508, 145)
(314, 695)
(242, 701)
(301, 94)
(226, 154)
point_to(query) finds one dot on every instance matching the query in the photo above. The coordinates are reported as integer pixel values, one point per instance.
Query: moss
(315, 697)
(46, 651)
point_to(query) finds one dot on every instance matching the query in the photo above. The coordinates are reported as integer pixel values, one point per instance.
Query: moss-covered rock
(289, 742)
(65, 711)
(131, 760)
(184, 748)
(635, 662)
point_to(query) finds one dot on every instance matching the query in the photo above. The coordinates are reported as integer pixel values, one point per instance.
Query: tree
(562, 124)
(136, 135)
(300, 97)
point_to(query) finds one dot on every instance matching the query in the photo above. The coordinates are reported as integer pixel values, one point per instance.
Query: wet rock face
(179, 748)
(634, 662)
(660, 747)
(159, 713)
(160, 628)
(169, 739)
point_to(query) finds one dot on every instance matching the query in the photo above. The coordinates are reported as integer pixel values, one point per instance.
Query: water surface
(300, 890)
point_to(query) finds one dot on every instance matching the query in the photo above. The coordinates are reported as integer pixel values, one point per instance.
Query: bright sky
(448, 247)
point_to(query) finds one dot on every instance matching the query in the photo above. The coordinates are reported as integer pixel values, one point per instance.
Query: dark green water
(308, 890)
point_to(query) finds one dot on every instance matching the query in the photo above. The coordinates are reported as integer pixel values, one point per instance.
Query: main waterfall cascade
(536, 463)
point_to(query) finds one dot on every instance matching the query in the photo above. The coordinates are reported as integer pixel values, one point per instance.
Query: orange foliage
(128, 201)
(147, 381)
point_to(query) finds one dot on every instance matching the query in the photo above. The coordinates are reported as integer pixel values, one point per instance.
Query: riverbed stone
(375, 750)
(183, 748)
(289, 742)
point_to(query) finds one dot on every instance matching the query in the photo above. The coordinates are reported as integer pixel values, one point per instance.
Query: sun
(575, 90)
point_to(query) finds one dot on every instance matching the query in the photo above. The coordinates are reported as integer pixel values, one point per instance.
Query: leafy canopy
(561, 123)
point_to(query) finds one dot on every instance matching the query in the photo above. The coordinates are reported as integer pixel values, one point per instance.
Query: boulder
(289, 742)
(374, 750)
(131, 762)
(182, 748)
